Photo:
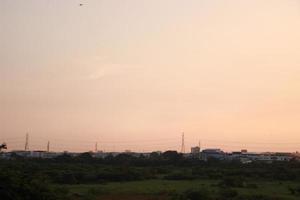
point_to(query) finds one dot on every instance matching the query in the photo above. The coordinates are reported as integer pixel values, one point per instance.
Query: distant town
(242, 156)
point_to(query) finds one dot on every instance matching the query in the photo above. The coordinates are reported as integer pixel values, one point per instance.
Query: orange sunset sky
(134, 74)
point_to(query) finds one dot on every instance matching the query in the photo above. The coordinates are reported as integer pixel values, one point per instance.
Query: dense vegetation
(166, 176)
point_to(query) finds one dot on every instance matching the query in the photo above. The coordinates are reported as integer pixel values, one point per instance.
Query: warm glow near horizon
(135, 74)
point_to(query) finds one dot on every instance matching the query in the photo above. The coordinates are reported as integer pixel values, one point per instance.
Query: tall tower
(182, 144)
(96, 147)
(27, 142)
(48, 146)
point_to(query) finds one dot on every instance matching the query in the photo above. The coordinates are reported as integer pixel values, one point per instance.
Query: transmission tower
(27, 142)
(96, 147)
(48, 146)
(182, 144)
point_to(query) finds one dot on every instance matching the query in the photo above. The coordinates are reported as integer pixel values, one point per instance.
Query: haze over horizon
(135, 74)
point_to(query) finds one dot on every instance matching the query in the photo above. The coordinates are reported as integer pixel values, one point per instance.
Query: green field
(169, 176)
(165, 189)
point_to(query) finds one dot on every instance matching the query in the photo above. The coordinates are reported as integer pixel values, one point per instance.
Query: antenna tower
(27, 142)
(96, 147)
(182, 144)
(48, 146)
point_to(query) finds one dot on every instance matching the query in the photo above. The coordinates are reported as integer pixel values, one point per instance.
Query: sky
(135, 74)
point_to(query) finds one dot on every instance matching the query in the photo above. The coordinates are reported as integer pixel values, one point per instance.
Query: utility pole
(27, 142)
(182, 144)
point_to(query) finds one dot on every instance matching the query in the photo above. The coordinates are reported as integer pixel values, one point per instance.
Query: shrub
(259, 197)
(196, 194)
(295, 190)
(227, 194)
(232, 182)
(15, 186)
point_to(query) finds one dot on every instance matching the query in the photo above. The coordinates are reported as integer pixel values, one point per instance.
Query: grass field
(149, 179)
(163, 189)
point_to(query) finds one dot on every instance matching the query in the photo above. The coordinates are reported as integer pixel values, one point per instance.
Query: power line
(154, 144)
